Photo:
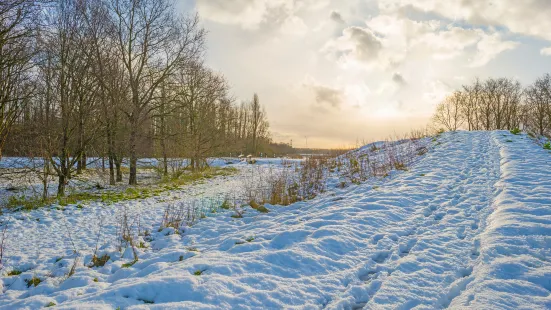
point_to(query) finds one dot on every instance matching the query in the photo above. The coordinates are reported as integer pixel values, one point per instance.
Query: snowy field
(468, 225)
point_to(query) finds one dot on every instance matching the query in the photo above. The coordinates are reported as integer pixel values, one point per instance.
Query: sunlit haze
(338, 72)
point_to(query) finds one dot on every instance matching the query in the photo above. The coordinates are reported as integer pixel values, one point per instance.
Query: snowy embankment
(469, 225)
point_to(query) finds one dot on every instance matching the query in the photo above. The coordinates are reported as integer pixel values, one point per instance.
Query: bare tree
(538, 101)
(71, 92)
(152, 42)
(471, 103)
(16, 52)
(201, 92)
(448, 112)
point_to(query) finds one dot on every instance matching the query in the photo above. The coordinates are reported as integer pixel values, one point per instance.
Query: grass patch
(198, 272)
(400, 166)
(262, 209)
(50, 304)
(95, 280)
(258, 207)
(74, 198)
(194, 176)
(34, 281)
(99, 261)
(14, 272)
(225, 205)
(110, 197)
(130, 264)
(516, 131)
(547, 146)
(27, 203)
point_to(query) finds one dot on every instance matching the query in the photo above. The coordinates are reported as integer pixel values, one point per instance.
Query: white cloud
(546, 51)
(337, 17)
(247, 13)
(294, 25)
(528, 17)
(489, 47)
(356, 44)
(388, 41)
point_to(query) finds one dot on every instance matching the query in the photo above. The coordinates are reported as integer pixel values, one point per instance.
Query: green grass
(99, 261)
(258, 207)
(33, 282)
(262, 209)
(130, 264)
(547, 146)
(110, 197)
(225, 205)
(516, 131)
(195, 176)
(14, 272)
(198, 272)
(50, 304)
(27, 203)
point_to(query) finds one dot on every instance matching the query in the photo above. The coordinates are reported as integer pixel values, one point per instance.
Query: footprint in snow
(475, 252)
(404, 249)
(461, 233)
(380, 257)
(370, 275)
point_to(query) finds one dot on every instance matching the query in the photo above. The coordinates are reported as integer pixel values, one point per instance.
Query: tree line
(498, 104)
(117, 79)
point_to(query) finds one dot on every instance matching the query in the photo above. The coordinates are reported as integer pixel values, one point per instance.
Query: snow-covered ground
(467, 226)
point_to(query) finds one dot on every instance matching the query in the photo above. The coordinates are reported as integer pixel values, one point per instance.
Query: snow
(468, 225)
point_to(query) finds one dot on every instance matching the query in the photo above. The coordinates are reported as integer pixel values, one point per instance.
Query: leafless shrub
(126, 231)
(313, 173)
(173, 217)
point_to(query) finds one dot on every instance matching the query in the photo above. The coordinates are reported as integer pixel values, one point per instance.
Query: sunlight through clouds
(366, 60)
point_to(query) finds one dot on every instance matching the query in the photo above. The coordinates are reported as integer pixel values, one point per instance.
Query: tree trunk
(165, 159)
(132, 178)
(45, 179)
(61, 185)
(111, 170)
(118, 164)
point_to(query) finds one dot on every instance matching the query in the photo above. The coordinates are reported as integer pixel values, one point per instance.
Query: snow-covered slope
(468, 226)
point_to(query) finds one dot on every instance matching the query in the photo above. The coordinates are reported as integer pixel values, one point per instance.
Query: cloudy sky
(342, 71)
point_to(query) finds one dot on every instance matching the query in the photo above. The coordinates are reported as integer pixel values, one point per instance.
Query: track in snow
(433, 262)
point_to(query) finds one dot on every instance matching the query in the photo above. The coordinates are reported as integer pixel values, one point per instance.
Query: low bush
(34, 281)
(14, 272)
(99, 261)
